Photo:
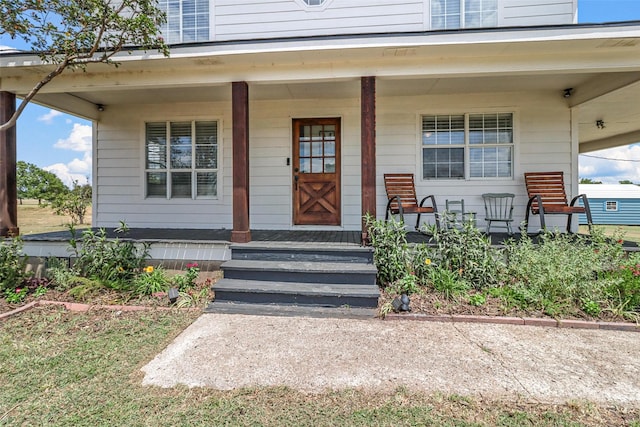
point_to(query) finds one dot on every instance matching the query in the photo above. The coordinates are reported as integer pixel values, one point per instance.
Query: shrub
(468, 252)
(12, 265)
(111, 261)
(558, 272)
(390, 249)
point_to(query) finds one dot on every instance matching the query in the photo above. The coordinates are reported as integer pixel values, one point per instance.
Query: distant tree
(589, 181)
(625, 181)
(39, 184)
(74, 203)
(70, 34)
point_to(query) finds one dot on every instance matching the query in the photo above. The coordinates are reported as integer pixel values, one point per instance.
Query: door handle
(295, 179)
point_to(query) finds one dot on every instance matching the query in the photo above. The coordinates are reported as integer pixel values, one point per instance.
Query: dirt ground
(547, 365)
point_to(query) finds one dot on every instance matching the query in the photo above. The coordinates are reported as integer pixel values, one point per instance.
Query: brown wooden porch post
(240, 105)
(368, 149)
(8, 183)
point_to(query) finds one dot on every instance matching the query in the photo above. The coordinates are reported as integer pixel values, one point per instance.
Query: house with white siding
(286, 114)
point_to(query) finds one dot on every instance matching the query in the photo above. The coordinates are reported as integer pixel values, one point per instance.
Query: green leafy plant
(112, 261)
(12, 264)
(448, 282)
(186, 280)
(390, 248)
(192, 298)
(477, 300)
(150, 281)
(408, 284)
(556, 273)
(592, 308)
(15, 296)
(467, 251)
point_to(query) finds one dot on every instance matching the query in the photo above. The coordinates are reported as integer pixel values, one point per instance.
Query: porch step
(276, 277)
(316, 294)
(292, 252)
(291, 310)
(301, 271)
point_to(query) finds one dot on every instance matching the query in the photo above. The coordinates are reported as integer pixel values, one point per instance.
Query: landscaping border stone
(526, 321)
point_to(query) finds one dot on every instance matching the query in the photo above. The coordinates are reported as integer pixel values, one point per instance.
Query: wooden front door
(316, 171)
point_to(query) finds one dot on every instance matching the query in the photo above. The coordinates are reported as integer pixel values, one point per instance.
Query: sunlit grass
(83, 369)
(33, 219)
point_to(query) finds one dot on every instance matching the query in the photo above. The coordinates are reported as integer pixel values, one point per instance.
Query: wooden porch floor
(324, 237)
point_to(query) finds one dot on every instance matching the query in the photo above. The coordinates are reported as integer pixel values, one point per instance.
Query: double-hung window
(467, 146)
(181, 159)
(187, 20)
(452, 14)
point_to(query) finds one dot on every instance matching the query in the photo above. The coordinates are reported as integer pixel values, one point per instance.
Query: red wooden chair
(547, 196)
(401, 193)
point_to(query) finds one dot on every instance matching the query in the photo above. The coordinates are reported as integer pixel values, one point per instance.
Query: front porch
(211, 247)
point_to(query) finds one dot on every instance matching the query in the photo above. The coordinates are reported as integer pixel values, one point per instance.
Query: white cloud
(612, 165)
(78, 140)
(48, 117)
(78, 169)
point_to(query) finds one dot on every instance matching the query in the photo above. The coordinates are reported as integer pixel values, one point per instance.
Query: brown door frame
(316, 179)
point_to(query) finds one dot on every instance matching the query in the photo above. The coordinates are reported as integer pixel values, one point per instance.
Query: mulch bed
(434, 304)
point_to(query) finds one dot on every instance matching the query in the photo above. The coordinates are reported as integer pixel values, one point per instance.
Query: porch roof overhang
(601, 62)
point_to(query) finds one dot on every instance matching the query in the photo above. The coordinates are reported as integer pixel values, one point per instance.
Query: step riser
(301, 277)
(260, 254)
(282, 298)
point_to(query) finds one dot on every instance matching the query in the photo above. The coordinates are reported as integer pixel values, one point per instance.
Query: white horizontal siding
(263, 19)
(249, 19)
(543, 142)
(119, 181)
(538, 12)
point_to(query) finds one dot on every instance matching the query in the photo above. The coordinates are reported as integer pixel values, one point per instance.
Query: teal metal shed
(616, 204)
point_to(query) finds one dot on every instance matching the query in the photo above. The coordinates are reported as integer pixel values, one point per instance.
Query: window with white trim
(467, 146)
(187, 20)
(452, 14)
(611, 206)
(314, 2)
(181, 159)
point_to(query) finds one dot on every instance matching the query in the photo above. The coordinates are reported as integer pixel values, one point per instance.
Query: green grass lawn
(630, 232)
(83, 369)
(33, 219)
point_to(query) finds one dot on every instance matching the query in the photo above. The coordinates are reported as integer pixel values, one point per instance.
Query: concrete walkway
(550, 365)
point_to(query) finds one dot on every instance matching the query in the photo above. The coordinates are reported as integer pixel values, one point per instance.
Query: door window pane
(329, 164)
(316, 165)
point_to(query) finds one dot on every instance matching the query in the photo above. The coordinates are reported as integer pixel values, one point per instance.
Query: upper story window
(187, 20)
(451, 14)
(467, 146)
(181, 160)
(314, 2)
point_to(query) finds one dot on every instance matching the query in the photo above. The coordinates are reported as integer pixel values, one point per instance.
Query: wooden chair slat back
(403, 186)
(550, 187)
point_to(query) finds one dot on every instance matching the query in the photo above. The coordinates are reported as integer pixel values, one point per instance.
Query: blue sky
(62, 143)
